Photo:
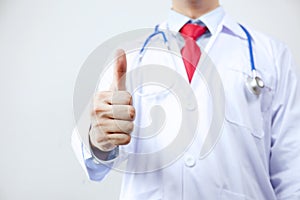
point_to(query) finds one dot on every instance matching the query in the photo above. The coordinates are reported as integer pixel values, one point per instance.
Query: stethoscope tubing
(254, 84)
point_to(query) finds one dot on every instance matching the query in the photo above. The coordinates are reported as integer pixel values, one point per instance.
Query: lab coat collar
(232, 27)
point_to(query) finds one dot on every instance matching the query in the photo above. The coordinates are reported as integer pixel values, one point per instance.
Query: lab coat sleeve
(95, 170)
(285, 139)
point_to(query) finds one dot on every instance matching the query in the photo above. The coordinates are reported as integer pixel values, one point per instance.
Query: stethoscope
(254, 83)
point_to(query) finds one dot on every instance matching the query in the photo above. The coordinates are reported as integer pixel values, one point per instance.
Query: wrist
(101, 155)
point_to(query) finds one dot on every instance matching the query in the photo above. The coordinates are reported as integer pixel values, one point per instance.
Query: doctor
(257, 155)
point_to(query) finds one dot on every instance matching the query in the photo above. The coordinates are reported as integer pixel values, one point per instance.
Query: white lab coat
(257, 155)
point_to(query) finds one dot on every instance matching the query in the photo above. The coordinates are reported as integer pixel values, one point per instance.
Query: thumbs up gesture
(112, 113)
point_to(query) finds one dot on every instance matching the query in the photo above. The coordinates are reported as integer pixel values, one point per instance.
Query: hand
(112, 112)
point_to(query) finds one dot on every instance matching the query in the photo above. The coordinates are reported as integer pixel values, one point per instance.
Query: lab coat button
(189, 161)
(190, 106)
(96, 161)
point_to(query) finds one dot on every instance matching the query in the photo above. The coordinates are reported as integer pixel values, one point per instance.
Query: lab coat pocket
(243, 108)
(228, 195)
(254, 127)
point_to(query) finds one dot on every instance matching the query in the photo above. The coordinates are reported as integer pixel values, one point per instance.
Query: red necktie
(191, 52)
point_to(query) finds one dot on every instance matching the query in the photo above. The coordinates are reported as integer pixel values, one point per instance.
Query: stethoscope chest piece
(255, 85)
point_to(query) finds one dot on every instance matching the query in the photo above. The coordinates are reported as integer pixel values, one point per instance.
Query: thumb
(120, 68)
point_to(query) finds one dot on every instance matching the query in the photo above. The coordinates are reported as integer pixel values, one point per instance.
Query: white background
(43, 44)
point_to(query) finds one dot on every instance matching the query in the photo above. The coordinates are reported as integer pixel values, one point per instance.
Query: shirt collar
(211, 20)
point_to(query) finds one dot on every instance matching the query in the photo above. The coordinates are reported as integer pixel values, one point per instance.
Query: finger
(121, 126)
(120, 112)
(119, 138)
(120, 68)
(121, 98)
(114, 126)
(113, 98)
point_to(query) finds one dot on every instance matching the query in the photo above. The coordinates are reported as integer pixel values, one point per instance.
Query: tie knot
(193, 30)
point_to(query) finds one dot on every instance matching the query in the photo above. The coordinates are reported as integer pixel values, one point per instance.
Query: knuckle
(129, 98)
(93, 113)
(103, 123)
(96, 138)
(94, 109)
(131, 111)
(130, 127)
(94, 132)
(126, 96)
(101, 138)
(100, 126)
(100, 123)
(100, 111)
(127, 139)
(103, 97)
